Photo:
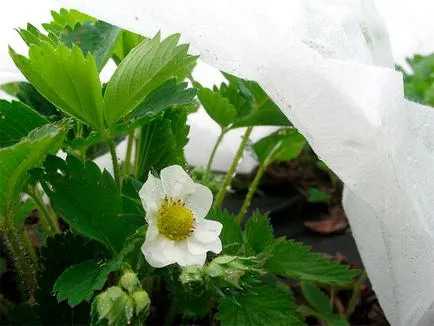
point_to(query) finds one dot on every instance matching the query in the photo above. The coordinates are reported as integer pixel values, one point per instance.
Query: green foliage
(144, 69)
(231, 235)
(126, 42)
(79, 282)
(67, 79)
(16, 121)
(65, 18)
(162, 142)
(317, 298)
(294, 260)
(16, 160)
(258, 233)
(240, 103)
(60, 252)
(262, 305)
(314, 195)
(282, 145)
(260, 109)
(217, 106)
(419, 82)
(98, 38)
(167, 95)
(23, 210)
(27, 94)
(88, 200)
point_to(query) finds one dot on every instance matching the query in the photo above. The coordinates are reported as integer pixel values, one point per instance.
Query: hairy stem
(232, 170)
(211, 158)
(355, 297)
(117, 172)
(48, 221)
(16, 246)
(252, 189)
(127, 162)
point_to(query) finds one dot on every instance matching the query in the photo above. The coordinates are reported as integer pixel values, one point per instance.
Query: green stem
(48, 221)
(15, 244)
(127, 163)
(117, 172)
(211, 158)
(356, 294)
(252, 189)
(230, 174)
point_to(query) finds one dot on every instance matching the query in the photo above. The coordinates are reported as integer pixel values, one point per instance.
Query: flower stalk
(116, 168)
(232, 170)
(252, 189)
(22, 259)
(211, 158)
(48, 221)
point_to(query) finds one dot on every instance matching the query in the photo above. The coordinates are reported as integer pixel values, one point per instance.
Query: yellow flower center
(174, 220)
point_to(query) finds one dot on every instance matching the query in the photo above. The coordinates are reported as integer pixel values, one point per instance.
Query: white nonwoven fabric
(328, 66)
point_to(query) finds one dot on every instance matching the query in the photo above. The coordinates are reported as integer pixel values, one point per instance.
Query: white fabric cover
(328, 66)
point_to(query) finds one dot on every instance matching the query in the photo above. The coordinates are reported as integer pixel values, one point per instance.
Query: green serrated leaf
(258, 233)
(65, 18)
(126, 42)
(261, 305)
(168, 94)
(66, 78)
(218, 107)
(317, 298)
(261, 110)
(162, 142)
(27, 94)
(98, 38)
(60, 252)
(295, 260)
(16, 160)
(144, 69)
(87, 199)
(314, 195)
(231, 236)
(16, 121)
(78, 282)
(31, 35)
(282, 145)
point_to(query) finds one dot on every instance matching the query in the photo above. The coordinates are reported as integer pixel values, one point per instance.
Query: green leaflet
(218, 107)
(66, 78)
(145, 68)
(294, 260)
(16, 160)
(88, 200)
(282, 145)
(78, 282)
(65, 18)
(261, 305)
(258, 233)
(162, 142)
(16, 121)
(317, 298)
(98, 38)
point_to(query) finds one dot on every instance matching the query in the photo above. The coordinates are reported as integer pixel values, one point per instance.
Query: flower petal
(183, 256)
(198, 248)
(176, 182)
(154, 251)
(151, 194)
(207, 231)
(199, 201)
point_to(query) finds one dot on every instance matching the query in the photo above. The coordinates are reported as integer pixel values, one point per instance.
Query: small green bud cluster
(227, 268)
(118, 305)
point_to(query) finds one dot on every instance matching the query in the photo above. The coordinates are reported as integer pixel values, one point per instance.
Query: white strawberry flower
(175, 211)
